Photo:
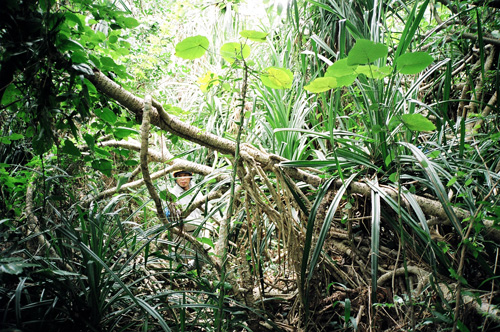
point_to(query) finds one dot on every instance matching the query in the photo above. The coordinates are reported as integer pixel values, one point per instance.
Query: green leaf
(452, 181)
(365, 52)
(277, 78)
(71, 45)
(113, 39)
(78, 57)
(122, 132)
(206, 240)
(417, 122)
(340, 68)
(102, 165)
(413, 63)
(234, 51)
(102, 152)
(70, 148)
(89, 139)
(106, 114)
(394, 177)
(253, 35)
(5, 140)
(127, 22)
(42, 141)
(346, 80)
(192, 47)
(321, 84)
(75, 19)
(374, 71)
(131, 162)
(109, 63)
(122, 180)
(15, 137)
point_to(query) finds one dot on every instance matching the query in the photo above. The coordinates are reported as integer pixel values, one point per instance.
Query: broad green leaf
(75, 19)
(277, 78)
(365, 52)
(15, 136)
(70, 45)
(113, 39)
(434, 154)
(340, 68)
(192, 47)
(102, 165)
(234, 51)
(106, 114)
(102, 152)
(374, 71)
(208, 80)
(94, 60)
(394, 177)
(89, 139)
(131, 162)
(70, 148)
(122, 180)
(413, 63)
(321, 84)
(122, 132)
(109, 63)
(123, 51)
(418, 122)
(452, 181)
(5, 140)
(79, 57)
(127, 22)
(206, 240)
(253, 35)
(42, 141)
(346, 80)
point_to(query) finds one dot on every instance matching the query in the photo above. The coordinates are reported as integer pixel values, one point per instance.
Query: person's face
(183, 180)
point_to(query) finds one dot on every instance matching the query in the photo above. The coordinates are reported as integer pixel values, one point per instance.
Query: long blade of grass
(326, 225)
(437, 185)
(375, 233)
(87, 251)
(411, 27)
(308, 241)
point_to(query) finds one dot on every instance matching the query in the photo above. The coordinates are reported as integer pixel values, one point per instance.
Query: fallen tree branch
(163, 120)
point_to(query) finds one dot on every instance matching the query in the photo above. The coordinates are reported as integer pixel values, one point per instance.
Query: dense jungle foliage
(347, 156)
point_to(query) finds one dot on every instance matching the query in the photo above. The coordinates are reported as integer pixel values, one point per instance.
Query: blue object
(167, 213)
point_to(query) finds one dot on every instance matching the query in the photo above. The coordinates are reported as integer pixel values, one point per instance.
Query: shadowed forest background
(347, 154)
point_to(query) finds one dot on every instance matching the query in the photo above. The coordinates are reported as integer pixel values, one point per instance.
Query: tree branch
(144, 160)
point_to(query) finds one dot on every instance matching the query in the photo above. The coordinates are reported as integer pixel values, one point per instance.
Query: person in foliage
(183, 182)
(194, 221)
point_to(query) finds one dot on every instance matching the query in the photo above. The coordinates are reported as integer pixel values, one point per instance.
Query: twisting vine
(225, 224)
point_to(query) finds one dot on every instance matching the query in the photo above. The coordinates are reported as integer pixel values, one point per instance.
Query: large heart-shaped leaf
(413, 63)
(253, 35)
(322, 84)
(192, 47)
(234, 51)
(418, 122)
(374, 71)
(365, 52)
(277, 78)
(106, 114)
(70, 148)
(340, 68)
